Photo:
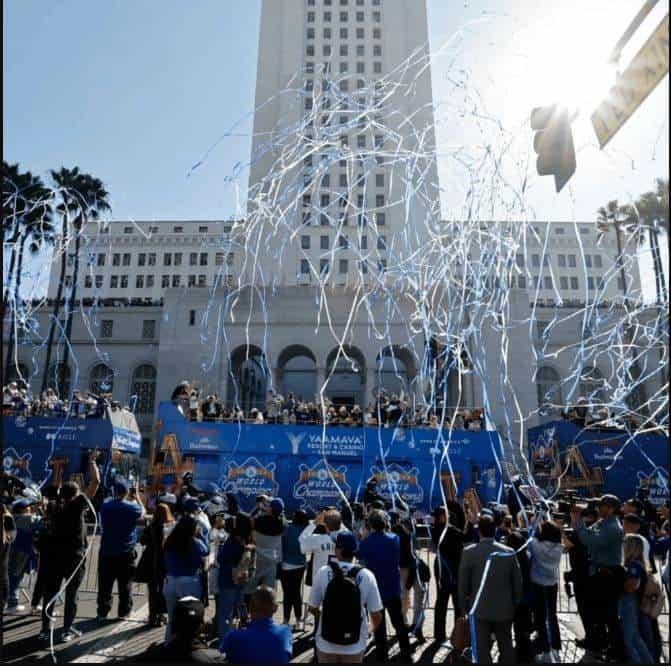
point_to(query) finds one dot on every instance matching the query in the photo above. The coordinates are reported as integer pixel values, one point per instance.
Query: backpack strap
(354, 572)
(337, 571)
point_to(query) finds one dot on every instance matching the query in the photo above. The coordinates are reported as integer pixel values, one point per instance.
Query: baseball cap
(167, 498)
(120, 485)
(611, 500)
(277, 506)
(22, 503)
(262, 498)
(347, 542)
(211, 488)
(190, 505)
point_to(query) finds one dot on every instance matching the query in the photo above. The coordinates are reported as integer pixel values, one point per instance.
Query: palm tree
(13, 181)
(34, 225)
(83, 198)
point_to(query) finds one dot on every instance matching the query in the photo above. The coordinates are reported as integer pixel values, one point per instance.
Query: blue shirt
(119, 521)
(228, 557)
(263, 642)
(381, 553)
(177, 564)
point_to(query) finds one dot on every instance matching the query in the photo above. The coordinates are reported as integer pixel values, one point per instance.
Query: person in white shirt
(319, 542)
(332, 653)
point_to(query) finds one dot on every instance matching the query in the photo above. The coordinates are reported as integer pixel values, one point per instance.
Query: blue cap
(167, 498)
(211, 488)
(347, 542)
(190, 505)
(120, 485)
(277, 506)
(22, 503)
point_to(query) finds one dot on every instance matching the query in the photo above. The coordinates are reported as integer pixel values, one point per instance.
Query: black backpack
(341, 613)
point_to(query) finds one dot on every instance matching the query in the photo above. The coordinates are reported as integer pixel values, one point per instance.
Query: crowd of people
(350, 567)
(18, 400)
(390, 410)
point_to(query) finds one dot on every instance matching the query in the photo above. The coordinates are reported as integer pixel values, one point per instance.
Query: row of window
(359, 181)
(563, 260)
(345, 3)
(565, 283)
(342, 219)
(343, 266)
(343, 242)
(343, 201)
(343, 16)
(148, 328)
(169, 259)
(176, 229)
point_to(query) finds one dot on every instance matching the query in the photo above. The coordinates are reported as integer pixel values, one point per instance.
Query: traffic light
(554, 143)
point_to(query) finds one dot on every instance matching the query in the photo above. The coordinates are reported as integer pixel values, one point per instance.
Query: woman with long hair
(153, 538)
(546, 552)
(293, 568)
(184, 554)
(629, 605)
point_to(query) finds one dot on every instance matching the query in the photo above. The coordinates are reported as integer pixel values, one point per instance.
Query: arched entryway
(346, 376)
(248, 376)
(395, 370)
(297, 372)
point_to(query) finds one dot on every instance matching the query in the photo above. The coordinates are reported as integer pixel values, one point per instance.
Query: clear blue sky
(134, 91)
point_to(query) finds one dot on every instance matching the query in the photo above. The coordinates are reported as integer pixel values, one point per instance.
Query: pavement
(117, 640)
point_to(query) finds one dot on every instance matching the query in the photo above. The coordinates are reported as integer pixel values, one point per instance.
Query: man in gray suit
(490, 588)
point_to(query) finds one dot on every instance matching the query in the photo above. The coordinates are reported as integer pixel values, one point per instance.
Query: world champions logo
(400, 480)
(250, 478)
(321, 483)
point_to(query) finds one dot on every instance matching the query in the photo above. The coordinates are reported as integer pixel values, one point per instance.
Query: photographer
(7, 536)
(604, 544)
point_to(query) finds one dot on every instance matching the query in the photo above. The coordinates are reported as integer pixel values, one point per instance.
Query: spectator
(448, 540)
(7, 536)
(486, 568)
(116, 561)
(153, 538)
(632, 523)
(267, 535)
(71, 541)
(184, 554)
(293, 568)
(263, 641)
(216, 537)
(604, 544)
(318, 540)
(629, 604)
(522, 622)
(380, 552)
(546, 552)
(184, 643)
(236, 562)
(45, 542)
(333, 603)
(21, 551)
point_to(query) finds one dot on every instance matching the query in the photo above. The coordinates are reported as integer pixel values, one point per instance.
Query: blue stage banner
(313, 466)
(599, 461)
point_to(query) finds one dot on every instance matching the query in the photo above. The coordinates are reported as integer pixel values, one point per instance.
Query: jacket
(603, 541)
(496, 599)
(545, 559)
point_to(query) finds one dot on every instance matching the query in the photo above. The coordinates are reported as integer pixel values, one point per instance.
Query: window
(344, 85)
(378, 141)
(177, 230)
(364, 267)
(176, 280)
(571, 261)
(203, 258)
(128, 230)
(88, 282)
(324, 242)
(559, 231)
(522, 282)
(547, 282)
(219, 259)
(311, 16)
(167, 259)
(364, 242)
(202, 230)
(360, 68)
(116, 259)
(377, 67)
(153, 230)
(535, 260)
(325, 200)
(149, 329)
(101, 260)
(359, 33)
(327, 17)
(165, 281)
(343, 33)
(379, 180)
(114, 281)
(193, 259)
(381, 242)
(344, 17)
(360, 50)
(305, 242)
(541, 328)
(305, 267)
(327, 33)
(310, 66)
(102, 379)
(326, 50)
(519, 260)
(597, 261)
(342, 181)
(563, 283)
(343, 242)
(192, 317)
(380, 219)
(361, 141)
(588, 260)
(590, 283)
(141, 259)
(311, 33)
(379, 200)
(561, 260)
(106, 328)
(151, 259)
(326, 180)
(548, 389)
(139, 281)
(377, 33)
(150, 281)
(191, 281)
(382, 265)
(230, 258)
(343, 53)
(343, 266)
(308, 103)
(600, 283)
(143, 387)
(309, 51)
(377, 50)
(202, 280)
(126, 259)
(124, 282)
(178, 258)
(359, 17)
(323, 266)
(621, 284)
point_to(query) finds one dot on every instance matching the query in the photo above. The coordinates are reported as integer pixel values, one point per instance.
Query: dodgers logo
(657, 485)
(295, 441)
(320, 483)
(250, 478)
(400, 480)
(16, 464)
